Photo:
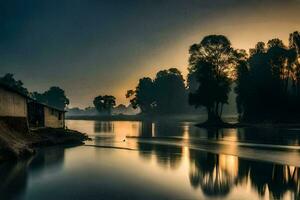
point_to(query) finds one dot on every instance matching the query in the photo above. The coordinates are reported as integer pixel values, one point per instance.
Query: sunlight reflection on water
(164, 161)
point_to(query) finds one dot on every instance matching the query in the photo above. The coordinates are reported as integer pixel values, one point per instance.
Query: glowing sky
(92, 47)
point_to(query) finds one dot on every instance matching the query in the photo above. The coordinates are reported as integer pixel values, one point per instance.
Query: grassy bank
(16, 143)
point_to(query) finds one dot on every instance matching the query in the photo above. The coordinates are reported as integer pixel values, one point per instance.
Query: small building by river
(12, 102)
(22, 112)
(13, 108)
(43, 115)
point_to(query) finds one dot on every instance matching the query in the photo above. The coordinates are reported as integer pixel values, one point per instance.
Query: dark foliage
(212, 63)
(166, 94)
(104, 104)
(9, 80)
(143, 96)
(55, 97)
(268, 82)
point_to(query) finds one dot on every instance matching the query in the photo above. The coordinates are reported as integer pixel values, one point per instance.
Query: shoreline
(176, 117)
(229, 122)
(15, 144)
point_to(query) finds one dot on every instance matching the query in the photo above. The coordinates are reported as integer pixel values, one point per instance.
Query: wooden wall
(12, 104)
(52, 118)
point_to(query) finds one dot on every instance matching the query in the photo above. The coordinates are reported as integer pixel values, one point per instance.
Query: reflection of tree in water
(168, 156)
(207, 172)
(269, 135)
(277, 178)
(103, 127)
(161, 129)
(146, 129)
(217, 174)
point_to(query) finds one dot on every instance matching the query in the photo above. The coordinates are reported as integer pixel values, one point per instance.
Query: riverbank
(139, 117)
(224, 125)
(230, 121)
(16, 144)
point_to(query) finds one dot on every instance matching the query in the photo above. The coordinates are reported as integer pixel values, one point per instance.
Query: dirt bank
(17, 141)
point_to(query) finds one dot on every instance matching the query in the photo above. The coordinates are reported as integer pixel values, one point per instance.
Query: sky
(98, 47)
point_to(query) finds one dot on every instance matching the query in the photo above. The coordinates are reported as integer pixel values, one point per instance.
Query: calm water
(165, 160)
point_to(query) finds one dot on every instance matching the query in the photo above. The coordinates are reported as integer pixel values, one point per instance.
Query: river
(162, 160)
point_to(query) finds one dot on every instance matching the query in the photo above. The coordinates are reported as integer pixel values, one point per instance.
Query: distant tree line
(267, 81)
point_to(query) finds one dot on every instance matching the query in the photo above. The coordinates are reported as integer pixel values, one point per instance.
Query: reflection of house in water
(52, 158)
(13, 176)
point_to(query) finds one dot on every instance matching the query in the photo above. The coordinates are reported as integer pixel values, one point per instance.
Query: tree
(165, 94)
(170, 91)
(55, 96)
(242, 83)
(9, 80)
(213, 62)
(143, 96)
(104, 104)
(295, 45)
(267, 83)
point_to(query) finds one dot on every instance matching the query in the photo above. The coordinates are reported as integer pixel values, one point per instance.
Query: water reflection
(181, 130)
(103, 127)
(169, 159)
(14, 175)
(218, 174)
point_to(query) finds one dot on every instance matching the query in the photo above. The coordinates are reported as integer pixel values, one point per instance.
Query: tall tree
(266, 82)
(213, 62)
(55, 96)
(143, 96)
(104, 104)
(170, 91)
(295, 45)
(242, 82)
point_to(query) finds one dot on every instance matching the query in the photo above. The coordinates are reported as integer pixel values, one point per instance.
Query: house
(13, 108)
(12, 102)
(43, 115)
(20, 111)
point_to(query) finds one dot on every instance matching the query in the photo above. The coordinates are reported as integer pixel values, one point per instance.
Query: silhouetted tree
(55, 96)
(170, 91)
(104, 104)
(212, 62)
(165, 94)
(9, 80)
(242, 83)
(143, 95)
(295, 45)
(267, 81)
